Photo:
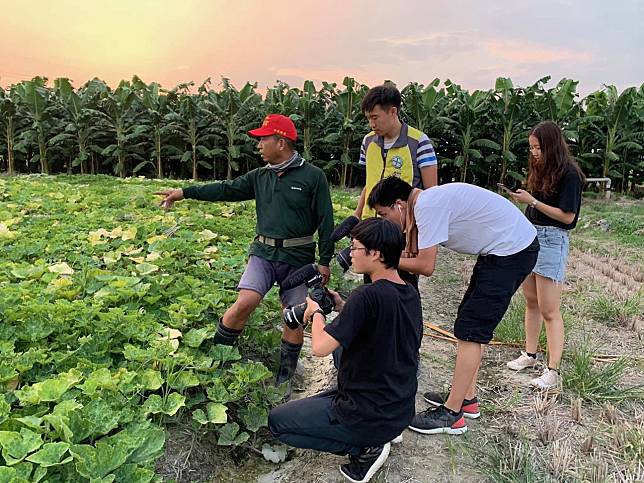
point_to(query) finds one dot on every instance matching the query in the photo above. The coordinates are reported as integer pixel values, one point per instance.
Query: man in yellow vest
(393, 148)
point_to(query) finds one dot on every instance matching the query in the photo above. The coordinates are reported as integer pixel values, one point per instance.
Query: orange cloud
(531, 53)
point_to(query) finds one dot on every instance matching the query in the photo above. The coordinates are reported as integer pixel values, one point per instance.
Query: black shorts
(494, 281)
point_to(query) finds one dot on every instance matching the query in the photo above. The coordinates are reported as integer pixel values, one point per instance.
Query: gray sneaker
(438, 420)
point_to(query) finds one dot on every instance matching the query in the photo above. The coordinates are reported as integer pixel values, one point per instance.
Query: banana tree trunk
(466, 156)
(11, 163)
(229, 171)
(610, 142)
(82, 153)
(504, 149)
(157, 142)
(343, 180)
(193, 144)
(624, 183)
(194, 162)
(464, 168)
(42, 150)
(120, 166)
(307, 143)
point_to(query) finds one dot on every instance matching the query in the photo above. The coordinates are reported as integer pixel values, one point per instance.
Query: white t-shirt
(472, 220)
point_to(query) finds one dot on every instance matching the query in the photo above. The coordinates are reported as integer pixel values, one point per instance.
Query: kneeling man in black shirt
(380, 330)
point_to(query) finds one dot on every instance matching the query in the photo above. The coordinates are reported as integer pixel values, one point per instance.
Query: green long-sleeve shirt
(292, 205)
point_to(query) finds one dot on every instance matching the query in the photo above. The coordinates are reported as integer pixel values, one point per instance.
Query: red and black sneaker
(438, 420)
(471, 407)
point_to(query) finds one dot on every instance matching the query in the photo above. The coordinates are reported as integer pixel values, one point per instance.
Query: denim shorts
(260, 275)
(553, 254)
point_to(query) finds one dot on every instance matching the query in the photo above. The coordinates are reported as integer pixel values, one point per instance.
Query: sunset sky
(471, 42)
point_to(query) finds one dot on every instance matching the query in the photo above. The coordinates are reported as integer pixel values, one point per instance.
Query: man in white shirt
(471, 220)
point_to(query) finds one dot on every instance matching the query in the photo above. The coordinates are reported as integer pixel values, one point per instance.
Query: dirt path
(512, 411)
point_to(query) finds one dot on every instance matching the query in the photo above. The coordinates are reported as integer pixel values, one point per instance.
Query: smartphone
(504, 188)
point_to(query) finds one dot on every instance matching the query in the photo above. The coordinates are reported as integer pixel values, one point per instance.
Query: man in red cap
(292, 203)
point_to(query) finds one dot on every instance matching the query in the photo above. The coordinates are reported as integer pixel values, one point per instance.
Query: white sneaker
(522, 362)
(548, 380)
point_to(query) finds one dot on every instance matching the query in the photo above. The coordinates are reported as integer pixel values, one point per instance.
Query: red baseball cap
(276, 124)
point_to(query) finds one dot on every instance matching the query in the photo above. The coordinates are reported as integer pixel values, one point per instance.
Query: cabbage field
(107, 306)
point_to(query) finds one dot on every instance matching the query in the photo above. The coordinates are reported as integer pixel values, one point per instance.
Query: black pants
(309, 423)
(494, 281)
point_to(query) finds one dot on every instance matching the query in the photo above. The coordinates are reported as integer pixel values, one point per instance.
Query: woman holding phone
(553, 198)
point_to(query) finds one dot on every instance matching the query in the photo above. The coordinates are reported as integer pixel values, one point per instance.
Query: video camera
(310, 276)
(343, 257)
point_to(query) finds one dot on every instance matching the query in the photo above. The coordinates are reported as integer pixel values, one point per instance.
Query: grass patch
(512, 461)
(618, 219)
(629, 444)
(609, 310)
(511, 330)
(596, 382)
(498, 404)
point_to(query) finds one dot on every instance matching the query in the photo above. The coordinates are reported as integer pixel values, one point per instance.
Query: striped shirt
(425, 154)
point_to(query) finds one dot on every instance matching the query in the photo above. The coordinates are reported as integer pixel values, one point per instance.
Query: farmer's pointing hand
(170, 196)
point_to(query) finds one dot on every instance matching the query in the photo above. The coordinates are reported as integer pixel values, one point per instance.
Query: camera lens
(293, 317)
(344, 259)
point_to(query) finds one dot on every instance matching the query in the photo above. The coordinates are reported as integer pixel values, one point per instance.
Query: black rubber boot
(225, 335)
(289, 354)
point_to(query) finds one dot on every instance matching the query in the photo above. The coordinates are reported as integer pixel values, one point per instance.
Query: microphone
(305, 275)
(344, 228)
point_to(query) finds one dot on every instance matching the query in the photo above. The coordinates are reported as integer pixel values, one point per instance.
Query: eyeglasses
(352, 249)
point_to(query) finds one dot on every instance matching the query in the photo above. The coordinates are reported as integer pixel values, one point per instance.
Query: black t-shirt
(566, 196)
(380, 329)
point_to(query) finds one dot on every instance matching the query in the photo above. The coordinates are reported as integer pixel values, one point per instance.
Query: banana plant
(80, 128)
(347, 125)
(35, 98)
(608, 116)
(282, 99)
(424, 107)
(509, 107)
(118, 113)
(557, 104)
(237, 111)
(158, 104)
(306, 107)
(9, 120)
(466, 113)
(310, 117)
(192, 122)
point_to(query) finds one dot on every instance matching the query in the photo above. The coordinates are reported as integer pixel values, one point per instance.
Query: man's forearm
(238, 189)
(322, 344)
(423, 264)
(410, 265)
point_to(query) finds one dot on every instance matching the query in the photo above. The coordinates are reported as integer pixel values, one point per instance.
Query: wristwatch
(534, 203)
(318, 311)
